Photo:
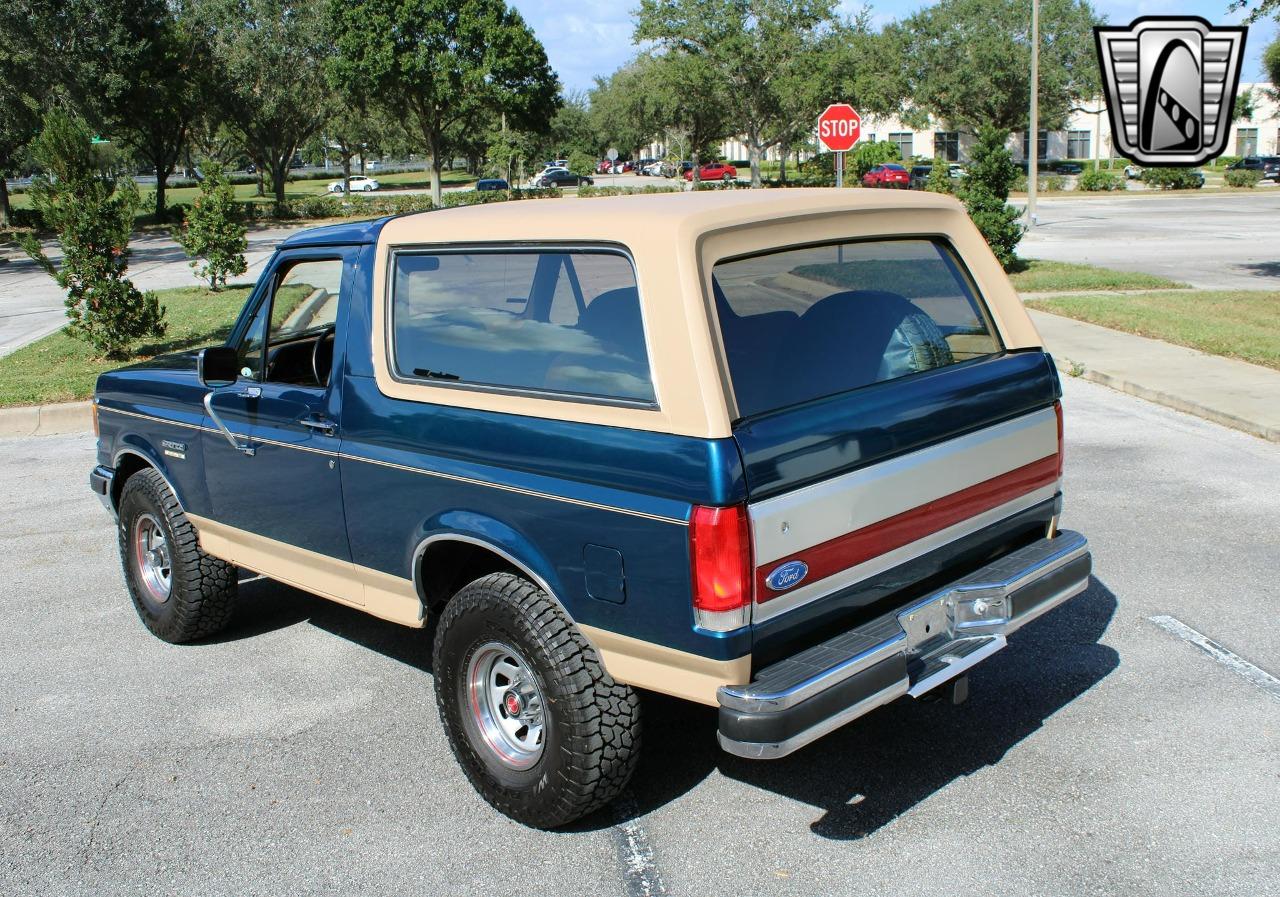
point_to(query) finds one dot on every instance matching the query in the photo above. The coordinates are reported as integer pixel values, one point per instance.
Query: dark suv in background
(1268, 165)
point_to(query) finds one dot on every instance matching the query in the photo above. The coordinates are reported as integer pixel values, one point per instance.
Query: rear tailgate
(890, 443)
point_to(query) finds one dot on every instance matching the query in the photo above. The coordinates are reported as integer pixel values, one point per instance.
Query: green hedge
(1097, 179)
(1243, 177)
(587, 191)
(1171, 179)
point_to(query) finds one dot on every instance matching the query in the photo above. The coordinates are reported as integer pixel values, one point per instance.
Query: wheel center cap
(511, 701)
(157, 558)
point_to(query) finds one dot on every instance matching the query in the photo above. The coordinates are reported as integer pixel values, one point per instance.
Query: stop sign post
(839, 127)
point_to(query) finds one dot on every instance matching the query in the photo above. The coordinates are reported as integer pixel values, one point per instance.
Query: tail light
(720, 549)
(93, 407)
(1057, 410)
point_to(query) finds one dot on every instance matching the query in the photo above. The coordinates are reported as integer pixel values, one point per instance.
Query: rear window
(800, 324)
(554, 321)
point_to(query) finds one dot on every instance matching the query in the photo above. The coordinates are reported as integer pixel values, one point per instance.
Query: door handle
(320, 424)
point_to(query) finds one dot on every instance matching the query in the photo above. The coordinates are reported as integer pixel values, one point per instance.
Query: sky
(585, 39)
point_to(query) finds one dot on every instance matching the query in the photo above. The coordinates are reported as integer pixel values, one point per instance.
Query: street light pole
(1033, 134)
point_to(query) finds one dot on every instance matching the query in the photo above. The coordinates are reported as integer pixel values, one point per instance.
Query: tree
(444, 65)
(25, 83)
(1271, 65)
(780, 61)
(213, 231)
(693, 102)
(1245, 106)
(93, 217)
(139, 77)
(940, 177)
(1262, 10)
(966, 61)
(625, 111)
(269, 59)
(990, 175)
(868, 155)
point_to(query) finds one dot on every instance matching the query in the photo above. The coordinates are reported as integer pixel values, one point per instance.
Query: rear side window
(550, 321)
(799, 324)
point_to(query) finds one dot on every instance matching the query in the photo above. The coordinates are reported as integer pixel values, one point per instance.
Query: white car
(359, 184)
(1133, 172)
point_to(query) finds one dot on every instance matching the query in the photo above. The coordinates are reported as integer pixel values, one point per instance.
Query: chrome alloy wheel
(506, 704)
(151, 551)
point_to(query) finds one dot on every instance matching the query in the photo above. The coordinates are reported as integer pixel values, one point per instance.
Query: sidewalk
(1229, 392)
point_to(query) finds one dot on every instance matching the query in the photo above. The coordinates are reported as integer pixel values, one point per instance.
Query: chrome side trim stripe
(516, 489)
(791, 523)
(418, 470)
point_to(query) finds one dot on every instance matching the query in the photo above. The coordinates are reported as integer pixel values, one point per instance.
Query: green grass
(1038, 276)
(1242, 324)
(59, 368)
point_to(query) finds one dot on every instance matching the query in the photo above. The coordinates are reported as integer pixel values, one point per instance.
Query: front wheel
(541, 730)
(181, 593)
(726, 177)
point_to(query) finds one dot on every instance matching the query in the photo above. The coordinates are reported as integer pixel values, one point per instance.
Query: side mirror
(218, 366)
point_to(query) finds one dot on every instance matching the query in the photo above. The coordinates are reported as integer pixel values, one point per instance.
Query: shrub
(940, 177)
(1171, 178)
(318, 206)
(1225, 161)
(93, 217)
(588, 191)
(1096, 180)
(212, 231)
(1243, 177)
(984, 191)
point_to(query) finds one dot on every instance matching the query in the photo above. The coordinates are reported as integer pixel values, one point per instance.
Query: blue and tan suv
(789, 454)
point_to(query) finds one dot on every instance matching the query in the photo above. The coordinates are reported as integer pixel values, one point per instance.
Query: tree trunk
(782, 169)
(262, 171)
(162, 183)
(346, 175)
(279, 173)
(753, 154)
(437, 195)
(6, 213)
(697, 169)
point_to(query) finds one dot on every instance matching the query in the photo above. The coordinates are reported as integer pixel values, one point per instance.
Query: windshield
(800, 324)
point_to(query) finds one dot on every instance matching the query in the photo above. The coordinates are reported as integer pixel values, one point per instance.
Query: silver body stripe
(419, 470)
(879, 564)
(790, 523)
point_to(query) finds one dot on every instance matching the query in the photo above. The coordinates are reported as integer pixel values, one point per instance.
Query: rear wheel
(181, 593)
(541, 730)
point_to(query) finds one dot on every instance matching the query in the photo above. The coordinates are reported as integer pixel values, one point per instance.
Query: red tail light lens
(720, 548)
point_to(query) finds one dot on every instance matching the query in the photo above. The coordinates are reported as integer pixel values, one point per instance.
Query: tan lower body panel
(666, 670)
(381, 594)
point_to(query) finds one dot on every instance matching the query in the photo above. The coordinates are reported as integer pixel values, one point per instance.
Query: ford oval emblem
(789, 574)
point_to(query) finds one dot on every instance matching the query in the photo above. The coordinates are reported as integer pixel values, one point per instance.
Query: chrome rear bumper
(910, 651)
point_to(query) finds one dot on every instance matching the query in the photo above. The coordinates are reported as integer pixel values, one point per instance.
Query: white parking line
(640, 875)
(1229, 659)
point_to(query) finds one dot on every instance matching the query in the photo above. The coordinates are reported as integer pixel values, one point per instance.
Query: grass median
(60, 368)
(1040, 276)
(1243, 324)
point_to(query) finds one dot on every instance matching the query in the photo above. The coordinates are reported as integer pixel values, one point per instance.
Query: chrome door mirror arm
(248, 392)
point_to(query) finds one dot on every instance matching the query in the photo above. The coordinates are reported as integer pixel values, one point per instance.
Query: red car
(887, 176)
(714, 171)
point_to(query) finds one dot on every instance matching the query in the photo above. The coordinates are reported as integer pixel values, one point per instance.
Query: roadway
(1100, 753)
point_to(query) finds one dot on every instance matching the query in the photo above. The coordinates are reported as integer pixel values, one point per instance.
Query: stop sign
(839, 127)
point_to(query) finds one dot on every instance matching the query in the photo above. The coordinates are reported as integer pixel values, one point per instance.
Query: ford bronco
(790, 454)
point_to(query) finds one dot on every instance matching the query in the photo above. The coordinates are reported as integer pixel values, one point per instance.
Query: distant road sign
(612, 155)
(839, 127)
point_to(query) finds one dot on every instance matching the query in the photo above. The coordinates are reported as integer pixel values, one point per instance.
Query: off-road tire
(202, 591)
(592, 724)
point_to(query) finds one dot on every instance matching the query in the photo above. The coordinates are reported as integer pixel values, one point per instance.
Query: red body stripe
(893, 532)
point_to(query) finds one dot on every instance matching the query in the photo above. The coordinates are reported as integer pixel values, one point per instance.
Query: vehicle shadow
(872, 771)
(861, 777)
(1263, 269)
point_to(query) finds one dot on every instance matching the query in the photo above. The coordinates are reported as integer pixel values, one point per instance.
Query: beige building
(1086, 136)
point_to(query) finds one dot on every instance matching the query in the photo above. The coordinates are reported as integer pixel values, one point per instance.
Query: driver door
(283, 482)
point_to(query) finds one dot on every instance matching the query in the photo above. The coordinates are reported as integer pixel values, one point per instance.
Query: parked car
(887, 175)
(1068, 167)
(561, 177)
(359, 184)
(623, 479)
(640, 165)
(1269, 166)
(1133, 171)
(713, 171)
(604, 167)
(372, 165)
(920, 176)
(489, 184)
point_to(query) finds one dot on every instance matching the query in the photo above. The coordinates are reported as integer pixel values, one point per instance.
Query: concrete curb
(47, 420)
(1177, 403)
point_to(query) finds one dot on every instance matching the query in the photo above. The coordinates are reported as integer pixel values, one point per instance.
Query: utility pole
(1033, 134)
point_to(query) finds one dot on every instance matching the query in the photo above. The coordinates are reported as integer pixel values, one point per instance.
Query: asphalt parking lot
(301, 753)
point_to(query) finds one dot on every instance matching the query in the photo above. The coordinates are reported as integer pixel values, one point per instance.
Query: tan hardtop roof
(619, 218)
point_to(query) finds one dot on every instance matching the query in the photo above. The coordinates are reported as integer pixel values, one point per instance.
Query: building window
(903, 141)
(1078, 144)
(947, 145)
(871, 138)
(1042, 145)
(1246, 141)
